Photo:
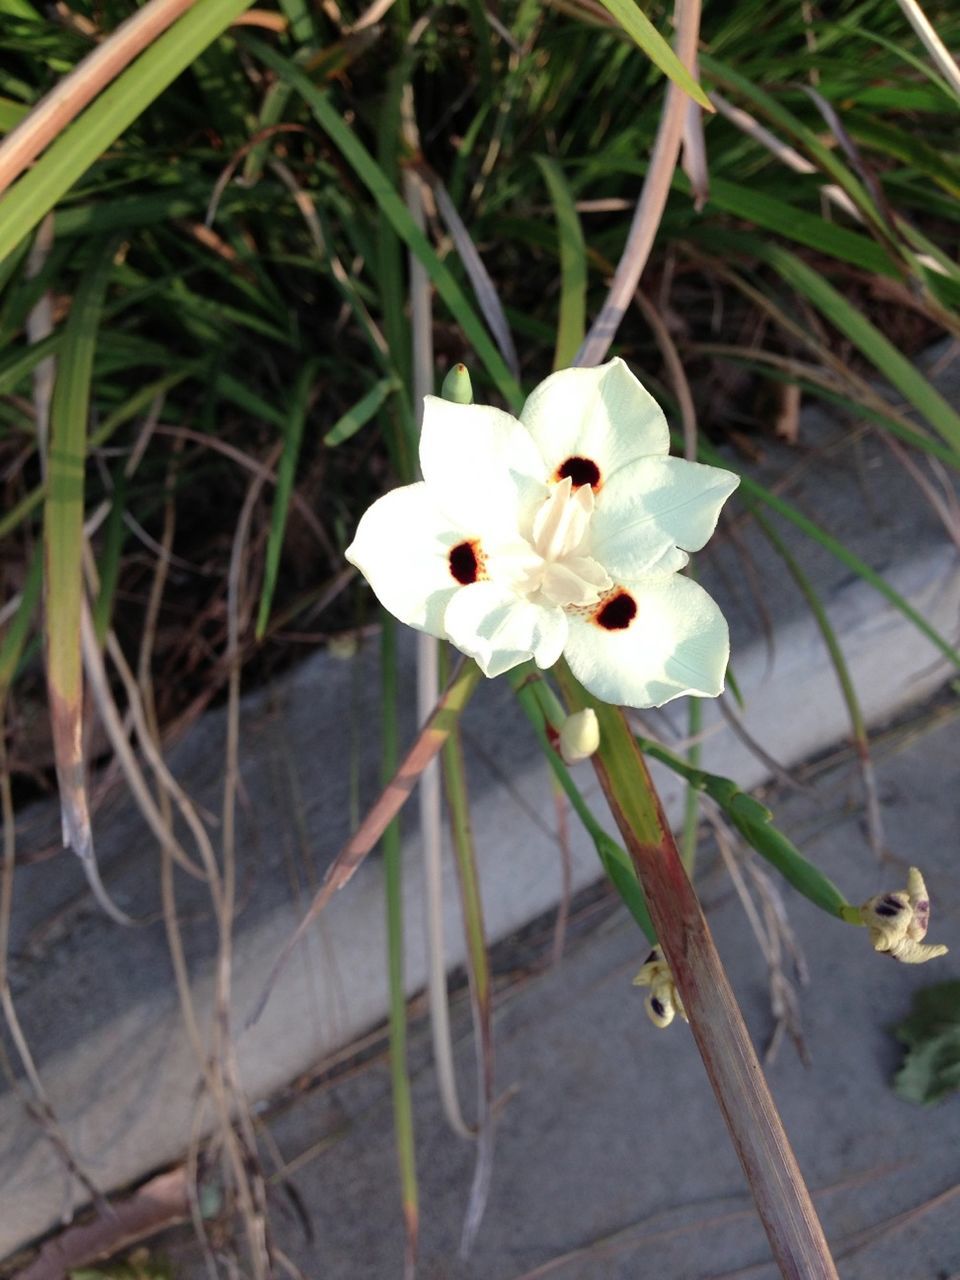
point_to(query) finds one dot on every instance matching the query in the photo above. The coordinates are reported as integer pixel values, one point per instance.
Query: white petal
(603, 414)
(501, 630)
(652, 507)
(677, 643)
(402, 548)
(481, 465)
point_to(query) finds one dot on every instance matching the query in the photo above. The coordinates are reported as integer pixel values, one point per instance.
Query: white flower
(562, 532)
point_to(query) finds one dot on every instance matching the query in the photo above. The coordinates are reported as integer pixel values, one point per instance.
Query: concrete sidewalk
(611, 1151)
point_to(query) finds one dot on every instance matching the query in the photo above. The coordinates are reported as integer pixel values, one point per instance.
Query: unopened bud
(663, 1003)
(457, 385)
(580, 736)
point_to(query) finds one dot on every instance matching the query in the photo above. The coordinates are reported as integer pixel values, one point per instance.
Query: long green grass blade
(63, 545)
(296, 418)
(639, 27)
(399, 217)
(571, 322)
(752, 488)
(15, 635)
(868, 339)
(114, 111)
(360, 414)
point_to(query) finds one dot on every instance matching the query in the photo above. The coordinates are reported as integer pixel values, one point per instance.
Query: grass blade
(286, 469)
(115, 110)
(63, 549)
(895, 367)
(571, 322)
(360, 414)
(637, 25)
(393, 208)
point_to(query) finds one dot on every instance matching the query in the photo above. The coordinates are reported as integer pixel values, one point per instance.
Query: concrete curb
(108, 1035)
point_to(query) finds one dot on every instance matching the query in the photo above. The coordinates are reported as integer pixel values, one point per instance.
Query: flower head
(898, 922)
(562, 532)
(663, 1003)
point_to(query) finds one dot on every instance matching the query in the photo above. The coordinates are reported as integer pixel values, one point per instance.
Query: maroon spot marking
(657, 1006)
(464, 564)
(617, 613)
(581, 471)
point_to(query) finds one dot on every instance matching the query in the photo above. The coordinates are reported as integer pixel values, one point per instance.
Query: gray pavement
(610, 1149)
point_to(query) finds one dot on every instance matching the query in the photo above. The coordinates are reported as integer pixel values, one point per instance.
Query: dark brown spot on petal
(888, 907)
(581, 471)
(617, 613)
(464, 563)
(657, 1006)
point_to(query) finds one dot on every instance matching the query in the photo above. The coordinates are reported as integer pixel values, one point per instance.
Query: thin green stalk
(478, 969)
(541, 708)
(691, 804)
(393, 879)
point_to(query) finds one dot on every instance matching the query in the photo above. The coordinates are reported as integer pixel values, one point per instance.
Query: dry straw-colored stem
(67, 99)
(653, 197)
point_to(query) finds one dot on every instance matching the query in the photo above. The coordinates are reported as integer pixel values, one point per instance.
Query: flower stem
(783, 1202)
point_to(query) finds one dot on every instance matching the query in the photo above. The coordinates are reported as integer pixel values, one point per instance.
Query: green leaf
(931, 1067)
(573, 265)
(396, 212)
(296, 418)
(754, 821)
(361, 413)
(636, 24)
(83, 142)
(896, 368)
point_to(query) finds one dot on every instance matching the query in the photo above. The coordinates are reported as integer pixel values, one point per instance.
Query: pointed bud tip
(457, 386)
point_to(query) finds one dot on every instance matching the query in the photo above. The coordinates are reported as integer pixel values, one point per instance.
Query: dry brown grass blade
(396, 793)
(158, 1204)
(653, 197)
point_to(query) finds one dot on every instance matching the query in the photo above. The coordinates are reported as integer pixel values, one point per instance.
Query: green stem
(691, 803)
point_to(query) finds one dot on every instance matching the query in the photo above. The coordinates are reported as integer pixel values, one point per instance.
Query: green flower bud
(457, 385)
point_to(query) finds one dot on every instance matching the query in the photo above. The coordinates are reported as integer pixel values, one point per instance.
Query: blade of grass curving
(115, 109)
(637, 25)
(751, 488)
(51, 115)
(938, 51)
(428, 743)
(571, 320)
(653, 198)
(15, 635)
(286, 469)
(478, 971)
(895, 367)
(63, 552)
(108, 566)
(393, 889)
(393, 208)
(483, 287)
(848, 690)
(358, 415)
(805, 228)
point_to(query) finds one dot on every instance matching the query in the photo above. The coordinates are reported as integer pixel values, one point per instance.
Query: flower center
(561, 569)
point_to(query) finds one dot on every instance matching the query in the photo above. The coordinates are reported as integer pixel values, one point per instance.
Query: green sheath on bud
(457, 385)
